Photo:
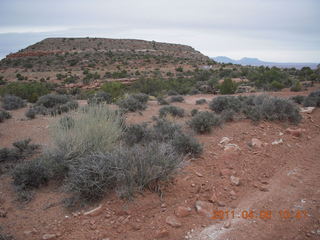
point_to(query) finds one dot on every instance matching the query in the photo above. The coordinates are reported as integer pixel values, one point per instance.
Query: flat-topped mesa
(62, 45)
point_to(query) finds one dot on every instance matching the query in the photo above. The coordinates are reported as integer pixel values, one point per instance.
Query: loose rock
(48, 236)
(173, 221)
(94, 212)
(182, 211)
(204, 208)
(235, 180)
(256, 143)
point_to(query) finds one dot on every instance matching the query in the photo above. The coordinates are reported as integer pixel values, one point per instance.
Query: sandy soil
(272, 178)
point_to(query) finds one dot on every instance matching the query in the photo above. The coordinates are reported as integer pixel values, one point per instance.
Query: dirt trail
(295, 187)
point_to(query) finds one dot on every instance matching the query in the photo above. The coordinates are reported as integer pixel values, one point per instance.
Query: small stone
(263, 189)
(221, 204)
(307, 109)
(231, 147)
(233, 193)
(227, 224)
(3, 213)
(225, 172)
(94, 212)
(182, 211)
(224, 140)
(276, 142)
(213, 198)
(163, 205)
(295, 132)
(162, 234)
(256, 143)
(198, 174)
(48, 236)
(204, 208)
(173, 221)
(235, 180)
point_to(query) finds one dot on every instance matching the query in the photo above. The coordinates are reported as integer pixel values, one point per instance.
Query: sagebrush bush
(4, 115)
(133, 103)
(172, 110)
(100, 97)
(186, 144)
(93, 176)
(194, 112)
(31, 113)
(298, 99)
(273, 108)
(54, 104)
(30, 174)
(172, 93)
(176, 99)
(204, 121)
(96, 128)
(201, 101)
(21, 149)
(312, 100)
(162, 101)
(222, 103)
(228, 115)
(10, 102)
(135, 133)
(164, 130)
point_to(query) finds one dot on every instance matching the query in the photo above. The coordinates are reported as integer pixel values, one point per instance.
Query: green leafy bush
(29, 91)
(228, 86)
(172, 110)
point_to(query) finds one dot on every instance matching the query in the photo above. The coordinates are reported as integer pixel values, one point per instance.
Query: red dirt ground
(272, 178)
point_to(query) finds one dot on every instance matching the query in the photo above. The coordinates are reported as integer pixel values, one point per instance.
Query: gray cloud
(279, 30)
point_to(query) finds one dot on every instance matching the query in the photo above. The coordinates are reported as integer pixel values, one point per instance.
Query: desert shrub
(31, 113)
(194, 92)
(30, 174)
(21, 149)
(176, 99)
(66, 122)
(298, 99)
(222, 103)
(135, 133)
(162, 101)
(4, 115)
(133, 103)
(141, 97)
(4, 236)
(204, 121)
(92, 177)
(145, 166)
(186, 144)
(54, 104)
(201, 101)
(96, 129)
(29, 91)
(312, 100)
(194, 112)
(172, 110)
(172, 93)
(10, 102)
(228, 86)
(126, 170)
(228, 115)
(271, 109)
(164, 130)
(296, 86)
(100, 97)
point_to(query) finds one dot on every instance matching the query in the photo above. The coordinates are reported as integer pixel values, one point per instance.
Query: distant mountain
(257, 62)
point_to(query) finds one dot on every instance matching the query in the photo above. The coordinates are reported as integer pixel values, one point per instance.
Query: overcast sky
(272, 30)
